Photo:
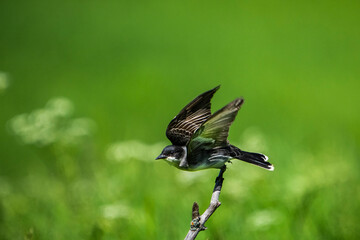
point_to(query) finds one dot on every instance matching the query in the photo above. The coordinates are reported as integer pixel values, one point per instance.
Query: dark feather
(257, 159)
(190, 118)
(214, 132)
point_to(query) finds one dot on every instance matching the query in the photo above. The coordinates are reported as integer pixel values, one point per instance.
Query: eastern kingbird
(199, 138)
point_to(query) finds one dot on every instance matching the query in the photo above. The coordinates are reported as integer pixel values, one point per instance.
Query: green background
(118, 71)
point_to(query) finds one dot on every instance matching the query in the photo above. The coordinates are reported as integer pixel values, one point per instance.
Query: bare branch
(197, 223)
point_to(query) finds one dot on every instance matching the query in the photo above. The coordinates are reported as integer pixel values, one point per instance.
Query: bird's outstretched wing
(190, 118)
(214, 132)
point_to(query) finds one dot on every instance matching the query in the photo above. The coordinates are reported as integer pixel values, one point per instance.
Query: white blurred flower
(116, 210)
(61, 107)
(263, 219)
(34, 128)
(76, 130)
(52, 124)
(121, 151)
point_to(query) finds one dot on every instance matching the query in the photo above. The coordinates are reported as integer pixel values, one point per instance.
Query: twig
(197, 223)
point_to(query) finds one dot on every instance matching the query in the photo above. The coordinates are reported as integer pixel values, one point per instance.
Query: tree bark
(197, 223)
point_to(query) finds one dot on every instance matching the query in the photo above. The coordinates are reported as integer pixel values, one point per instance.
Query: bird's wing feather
(190, 118)
(214, 132)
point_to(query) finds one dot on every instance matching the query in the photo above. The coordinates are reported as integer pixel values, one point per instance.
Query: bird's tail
(257, 159)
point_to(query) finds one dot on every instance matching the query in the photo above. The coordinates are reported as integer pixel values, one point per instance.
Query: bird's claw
(195, 225)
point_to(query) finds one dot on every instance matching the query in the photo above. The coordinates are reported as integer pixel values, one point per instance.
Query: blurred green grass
(129, 67)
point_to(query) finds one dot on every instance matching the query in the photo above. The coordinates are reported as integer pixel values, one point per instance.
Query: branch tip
(195, 211)
(197, 223)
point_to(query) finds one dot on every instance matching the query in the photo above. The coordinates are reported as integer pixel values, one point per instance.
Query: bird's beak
(161, 156)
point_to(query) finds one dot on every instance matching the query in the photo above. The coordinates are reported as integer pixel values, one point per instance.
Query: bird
(199, 138)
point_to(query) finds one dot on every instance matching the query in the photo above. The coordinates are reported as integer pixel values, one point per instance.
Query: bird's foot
(195, 225)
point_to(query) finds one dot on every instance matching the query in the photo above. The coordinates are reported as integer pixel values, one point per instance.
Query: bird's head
(173, 154)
